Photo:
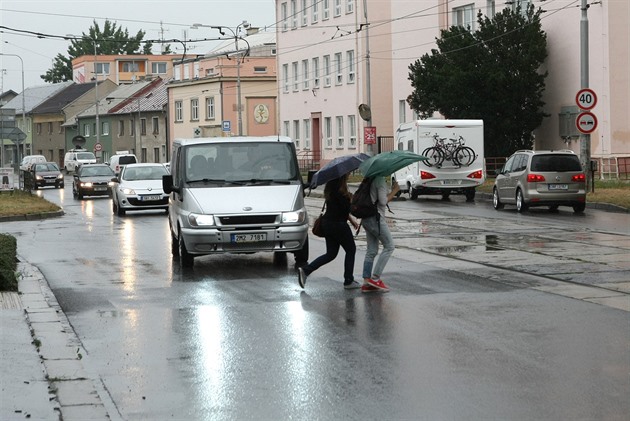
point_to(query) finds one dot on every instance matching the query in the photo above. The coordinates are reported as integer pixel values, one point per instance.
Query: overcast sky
(167, 19)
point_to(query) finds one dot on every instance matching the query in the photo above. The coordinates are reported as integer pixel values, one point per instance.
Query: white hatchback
(139, 187)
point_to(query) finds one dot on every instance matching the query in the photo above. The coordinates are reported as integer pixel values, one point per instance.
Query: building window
(328, 131)
(102, 68)
(304, 13)
(158, 68)
(402, 111)
(338, 69)
(156, 155)
(86, 130)
(155, 123)
(293, 15)
(350, 65)
(285, 128)
(326, 71)
(315, 11)
(316, 72)
(105, 128)
(143, 129)
(296, 76)
(285, 78)
(210, 108)
(194, 109)
(283, 16)
(132, 127)
(130, 66)
(177, 72)
(296, 132)
(196, 70)
(352, 130)
(464, 16)
(337, 11)
(349, 6)
(121, 128)
(326, 9)
(186, 73)
(340, 138)
(179, 111)
(307, 133)
(260, 69)
(305, 75)
(38, 128)
(50, 127)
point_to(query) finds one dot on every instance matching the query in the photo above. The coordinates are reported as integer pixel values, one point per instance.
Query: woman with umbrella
(376, 228)
(335, 220)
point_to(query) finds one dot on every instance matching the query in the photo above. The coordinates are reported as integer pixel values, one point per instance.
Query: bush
(8, 263)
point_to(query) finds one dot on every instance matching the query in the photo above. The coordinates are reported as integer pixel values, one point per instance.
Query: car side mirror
(115, 180)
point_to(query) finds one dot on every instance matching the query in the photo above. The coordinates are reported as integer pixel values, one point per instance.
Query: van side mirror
(167, 184)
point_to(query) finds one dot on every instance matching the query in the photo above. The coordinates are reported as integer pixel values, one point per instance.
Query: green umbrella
(387, 163)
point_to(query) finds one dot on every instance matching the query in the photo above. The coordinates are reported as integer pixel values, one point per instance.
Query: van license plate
(248, 238)
(147, 198)
(558, 187)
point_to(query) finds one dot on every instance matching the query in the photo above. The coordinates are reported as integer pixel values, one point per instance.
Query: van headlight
(197, 220)
(128, 191)
(295, 217)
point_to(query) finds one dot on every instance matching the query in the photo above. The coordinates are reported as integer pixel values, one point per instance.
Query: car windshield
(85, 155)
(241, 162)
(96, 171)
(46, 167)
(555, 163)
(144, 173)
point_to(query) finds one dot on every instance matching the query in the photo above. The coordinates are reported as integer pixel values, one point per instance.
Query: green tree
(111, 40)
(493, 74)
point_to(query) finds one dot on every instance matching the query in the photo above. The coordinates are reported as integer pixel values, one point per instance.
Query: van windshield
(241, 162)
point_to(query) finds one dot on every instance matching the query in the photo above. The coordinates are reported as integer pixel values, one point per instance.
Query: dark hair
(338, 184)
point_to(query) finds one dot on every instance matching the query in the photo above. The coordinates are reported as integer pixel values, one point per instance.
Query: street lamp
(236, 36)
(23, 113)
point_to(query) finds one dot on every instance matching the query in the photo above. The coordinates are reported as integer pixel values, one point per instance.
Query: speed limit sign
(586, 99)
(98, 147)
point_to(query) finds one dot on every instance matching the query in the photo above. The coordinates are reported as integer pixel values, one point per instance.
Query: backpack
(361, 205)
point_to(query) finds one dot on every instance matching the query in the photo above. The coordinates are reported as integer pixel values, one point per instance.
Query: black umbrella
(337, 167)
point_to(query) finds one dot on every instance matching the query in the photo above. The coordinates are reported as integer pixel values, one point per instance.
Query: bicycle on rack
(454, 151)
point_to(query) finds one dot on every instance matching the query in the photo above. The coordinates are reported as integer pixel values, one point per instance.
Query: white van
(236, 195)
(29, 160)
(456, 163)
(120, 159)
(77, 157)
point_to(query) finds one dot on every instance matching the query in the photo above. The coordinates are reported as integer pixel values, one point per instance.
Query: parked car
(46, 174)
(120, 159)
(77, 157)
(541, 178)
(29, 160)
(92, 180)
(139, 187)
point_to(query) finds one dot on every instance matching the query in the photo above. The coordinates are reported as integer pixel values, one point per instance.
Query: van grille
(248, 219)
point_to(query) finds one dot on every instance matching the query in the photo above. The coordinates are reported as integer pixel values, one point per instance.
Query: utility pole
(585, 139)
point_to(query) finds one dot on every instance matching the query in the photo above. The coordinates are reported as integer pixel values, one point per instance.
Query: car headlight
(295, 217)
(197, 220)
(86, 184)
(60, 176)
(110, 184)
(128, 192)
(39, 177)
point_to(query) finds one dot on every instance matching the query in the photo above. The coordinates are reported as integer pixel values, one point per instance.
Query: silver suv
(541, 178)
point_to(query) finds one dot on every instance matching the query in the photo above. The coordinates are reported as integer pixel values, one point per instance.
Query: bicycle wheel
(435, 156)
(464, 156)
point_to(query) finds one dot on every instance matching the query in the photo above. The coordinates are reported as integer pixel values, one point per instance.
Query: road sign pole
(585, 139)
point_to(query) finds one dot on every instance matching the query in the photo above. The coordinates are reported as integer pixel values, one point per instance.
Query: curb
(32, 216)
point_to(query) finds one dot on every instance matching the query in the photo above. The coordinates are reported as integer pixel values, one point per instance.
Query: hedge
(8, 263)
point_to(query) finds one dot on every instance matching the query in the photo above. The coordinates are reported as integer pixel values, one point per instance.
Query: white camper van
(456, 157)
(236, 195)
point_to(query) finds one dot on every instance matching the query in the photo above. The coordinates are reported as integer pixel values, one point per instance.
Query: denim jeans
(376, 230)
(337, 234)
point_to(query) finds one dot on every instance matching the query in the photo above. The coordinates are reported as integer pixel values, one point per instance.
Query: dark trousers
(337, 234)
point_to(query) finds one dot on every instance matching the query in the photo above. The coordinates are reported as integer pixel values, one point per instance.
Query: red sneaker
(378, 284)
(368, 288)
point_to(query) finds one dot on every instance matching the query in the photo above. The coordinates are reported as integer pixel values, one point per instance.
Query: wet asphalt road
(483, 321)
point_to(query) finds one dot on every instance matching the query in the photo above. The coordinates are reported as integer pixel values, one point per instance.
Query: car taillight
(477, 174)
(426, 175)
(578, 177)
(535, 178)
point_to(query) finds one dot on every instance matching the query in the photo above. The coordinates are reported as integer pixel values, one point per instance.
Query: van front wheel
(301, 256)
(186, 259)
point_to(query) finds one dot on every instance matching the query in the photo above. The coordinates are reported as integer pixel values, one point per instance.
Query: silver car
(139, 187)
(541, 178)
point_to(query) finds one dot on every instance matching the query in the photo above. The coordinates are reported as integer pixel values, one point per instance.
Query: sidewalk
(42, 375)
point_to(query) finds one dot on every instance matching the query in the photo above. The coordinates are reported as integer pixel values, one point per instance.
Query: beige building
(334, 55)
